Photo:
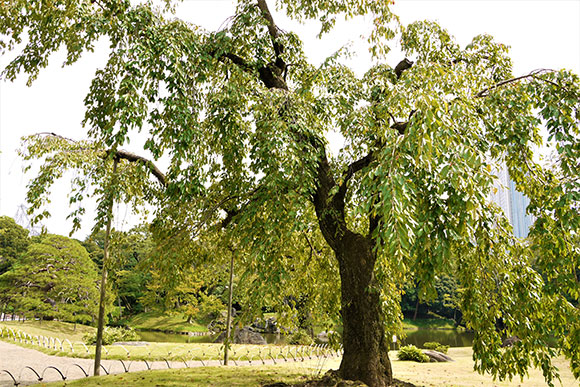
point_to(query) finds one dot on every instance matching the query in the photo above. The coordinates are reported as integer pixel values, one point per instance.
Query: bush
(412, 353)
(300, 338)
(435, 346)
(112, 335)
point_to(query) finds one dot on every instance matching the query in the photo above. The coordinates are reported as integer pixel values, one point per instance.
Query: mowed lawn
(457, 373)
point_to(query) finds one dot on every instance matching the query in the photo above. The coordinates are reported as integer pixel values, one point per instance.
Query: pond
(451, 338)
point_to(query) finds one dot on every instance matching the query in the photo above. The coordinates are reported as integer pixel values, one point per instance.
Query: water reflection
(451, 338)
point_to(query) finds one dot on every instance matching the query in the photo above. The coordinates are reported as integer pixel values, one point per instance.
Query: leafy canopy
(54, 279)
(414, 173)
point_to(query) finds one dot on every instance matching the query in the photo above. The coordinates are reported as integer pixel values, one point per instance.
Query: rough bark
(365, 346)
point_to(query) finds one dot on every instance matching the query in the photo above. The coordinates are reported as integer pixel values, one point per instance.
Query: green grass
(457, 373)
(208, 376)
(165, 322)
(435, 323)
(153, 351)
(58, 329)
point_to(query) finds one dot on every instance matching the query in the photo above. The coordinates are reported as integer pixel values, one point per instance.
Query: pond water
(451, 338)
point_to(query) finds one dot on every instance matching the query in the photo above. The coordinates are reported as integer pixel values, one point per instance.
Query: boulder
(324, 337)
(243, 336)
(269, 325)
(438, 357)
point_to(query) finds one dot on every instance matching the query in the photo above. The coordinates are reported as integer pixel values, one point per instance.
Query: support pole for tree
(229, 315)
(101, 318)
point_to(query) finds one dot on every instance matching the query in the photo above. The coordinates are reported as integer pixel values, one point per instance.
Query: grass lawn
(153, 351)
(208, 376)
(50, 328)
(457, 373)
(165, 322)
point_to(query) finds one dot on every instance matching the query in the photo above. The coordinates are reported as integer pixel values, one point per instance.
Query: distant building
(513, 203)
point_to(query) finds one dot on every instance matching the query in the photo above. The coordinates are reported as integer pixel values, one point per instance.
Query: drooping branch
(119, 154)
(533, 74)
(131, 157)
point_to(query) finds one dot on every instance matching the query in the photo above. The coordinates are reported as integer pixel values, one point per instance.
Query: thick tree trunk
(365, 346)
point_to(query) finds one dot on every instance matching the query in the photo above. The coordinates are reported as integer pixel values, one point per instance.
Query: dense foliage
(243, 117)
(412, 353)
(55, 279)
(13, 242)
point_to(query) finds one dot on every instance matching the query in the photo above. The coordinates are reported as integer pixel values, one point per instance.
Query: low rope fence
(187, 358)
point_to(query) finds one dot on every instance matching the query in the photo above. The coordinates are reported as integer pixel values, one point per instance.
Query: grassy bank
(163, 322)
(152, 351)
(73, 332)
(457, 373)
(431, 323)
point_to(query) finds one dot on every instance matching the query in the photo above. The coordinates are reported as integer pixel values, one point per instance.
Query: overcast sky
(542, 34)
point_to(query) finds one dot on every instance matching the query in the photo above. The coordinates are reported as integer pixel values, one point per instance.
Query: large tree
(54, 279)
(243, 117)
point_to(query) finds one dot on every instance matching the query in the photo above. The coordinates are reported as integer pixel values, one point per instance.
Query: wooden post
(229, 316)
(101, 318)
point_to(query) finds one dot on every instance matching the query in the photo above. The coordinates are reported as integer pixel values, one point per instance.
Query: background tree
(13, 242)
(243, 118)
(54, 279)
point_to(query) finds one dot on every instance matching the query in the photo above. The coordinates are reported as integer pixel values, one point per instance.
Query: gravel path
(28, 365)
(15, 360)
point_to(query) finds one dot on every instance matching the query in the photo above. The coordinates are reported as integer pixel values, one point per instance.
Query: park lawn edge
(457, 373)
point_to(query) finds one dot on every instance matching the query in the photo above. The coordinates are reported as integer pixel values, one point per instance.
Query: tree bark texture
(366, 348)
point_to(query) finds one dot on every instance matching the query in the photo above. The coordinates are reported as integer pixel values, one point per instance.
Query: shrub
(436, 346)
(412, 353)
(300, 338)
(112, 335)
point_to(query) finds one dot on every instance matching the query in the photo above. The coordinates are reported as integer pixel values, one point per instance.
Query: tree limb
(119, 154)
(353, 168)
(237, 60)
(533, 74)
(272, 29)
(131, 157)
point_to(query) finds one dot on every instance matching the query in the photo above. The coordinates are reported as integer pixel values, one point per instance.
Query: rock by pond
(438, 357)
(243, 336)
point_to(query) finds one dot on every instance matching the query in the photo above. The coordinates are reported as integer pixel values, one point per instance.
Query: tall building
(513, 203)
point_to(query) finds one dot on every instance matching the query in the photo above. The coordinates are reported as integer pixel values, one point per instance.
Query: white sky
(542, 34)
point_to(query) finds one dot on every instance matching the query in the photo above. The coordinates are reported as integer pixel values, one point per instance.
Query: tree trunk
(366, 349)
(416, 308)
(103, 293)
(229, 316)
